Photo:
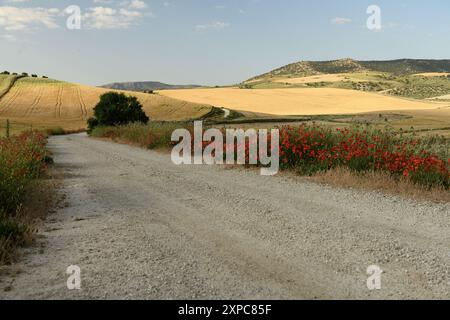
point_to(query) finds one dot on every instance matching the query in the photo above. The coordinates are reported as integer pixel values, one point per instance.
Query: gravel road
(140, 227)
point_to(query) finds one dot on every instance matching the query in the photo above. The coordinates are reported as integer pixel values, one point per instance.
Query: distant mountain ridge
(140, 86)
(397, 67)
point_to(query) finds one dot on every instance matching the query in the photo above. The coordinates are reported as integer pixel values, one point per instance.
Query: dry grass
(432, 74)
(4, 83)
(445, 97)
(35, 208)
(423, 119)
(49, 103)
(301, 101)
(356, 77)
(19, 124)
(382, 182)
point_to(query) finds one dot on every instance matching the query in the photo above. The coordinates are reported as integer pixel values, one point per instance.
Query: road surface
(138, 226)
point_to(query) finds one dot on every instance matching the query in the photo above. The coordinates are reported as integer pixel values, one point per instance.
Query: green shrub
(116, 109)
(57, 131)
(92, 123)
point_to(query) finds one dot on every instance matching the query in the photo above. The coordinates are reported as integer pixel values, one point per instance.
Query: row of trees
(25, 74)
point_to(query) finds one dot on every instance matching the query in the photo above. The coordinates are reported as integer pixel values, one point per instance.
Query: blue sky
(209, 41)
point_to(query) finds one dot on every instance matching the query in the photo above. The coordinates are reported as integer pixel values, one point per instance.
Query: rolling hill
(417, 79)
(339, 87)
(399, 67)
(44, 103)
(141, 86)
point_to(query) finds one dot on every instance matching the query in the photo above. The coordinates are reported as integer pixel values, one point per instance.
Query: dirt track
(140, 227)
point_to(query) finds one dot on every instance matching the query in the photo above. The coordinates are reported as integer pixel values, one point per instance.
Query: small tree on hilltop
(116, 109)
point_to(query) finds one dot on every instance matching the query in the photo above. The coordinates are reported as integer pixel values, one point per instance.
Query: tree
(116, 109)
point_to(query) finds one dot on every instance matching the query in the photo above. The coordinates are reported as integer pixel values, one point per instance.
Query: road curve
(140, 227)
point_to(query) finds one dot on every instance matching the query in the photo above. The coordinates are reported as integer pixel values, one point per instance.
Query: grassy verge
(23, 160)
(59, 131)
(155, 135)
(381, 182)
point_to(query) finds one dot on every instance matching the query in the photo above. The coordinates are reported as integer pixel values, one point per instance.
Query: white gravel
(140, 227)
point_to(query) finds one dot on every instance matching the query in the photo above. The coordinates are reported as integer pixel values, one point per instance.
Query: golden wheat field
(301, 101)
(337, 77)
(50, 103)
(5, 81)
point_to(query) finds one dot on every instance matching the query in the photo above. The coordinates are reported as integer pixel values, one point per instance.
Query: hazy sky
(209, 41)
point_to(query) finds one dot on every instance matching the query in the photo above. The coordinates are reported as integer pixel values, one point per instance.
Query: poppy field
(310, 149)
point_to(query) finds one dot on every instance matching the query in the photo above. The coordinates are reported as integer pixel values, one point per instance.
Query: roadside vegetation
(312, 149)
(155, 135)
(23, 159)
(315, 149)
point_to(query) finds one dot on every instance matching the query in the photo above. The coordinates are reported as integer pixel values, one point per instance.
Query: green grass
(155, 135)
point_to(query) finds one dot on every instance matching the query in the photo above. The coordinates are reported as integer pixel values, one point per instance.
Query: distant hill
(396, 67)
(141, 86)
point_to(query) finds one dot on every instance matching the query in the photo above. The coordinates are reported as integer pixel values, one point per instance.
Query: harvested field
(5, 83)
(304, 101)
(45, 102)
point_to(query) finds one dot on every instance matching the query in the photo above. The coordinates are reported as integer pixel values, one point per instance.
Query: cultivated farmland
(44, 103)
(6, 82)
(304, 101)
